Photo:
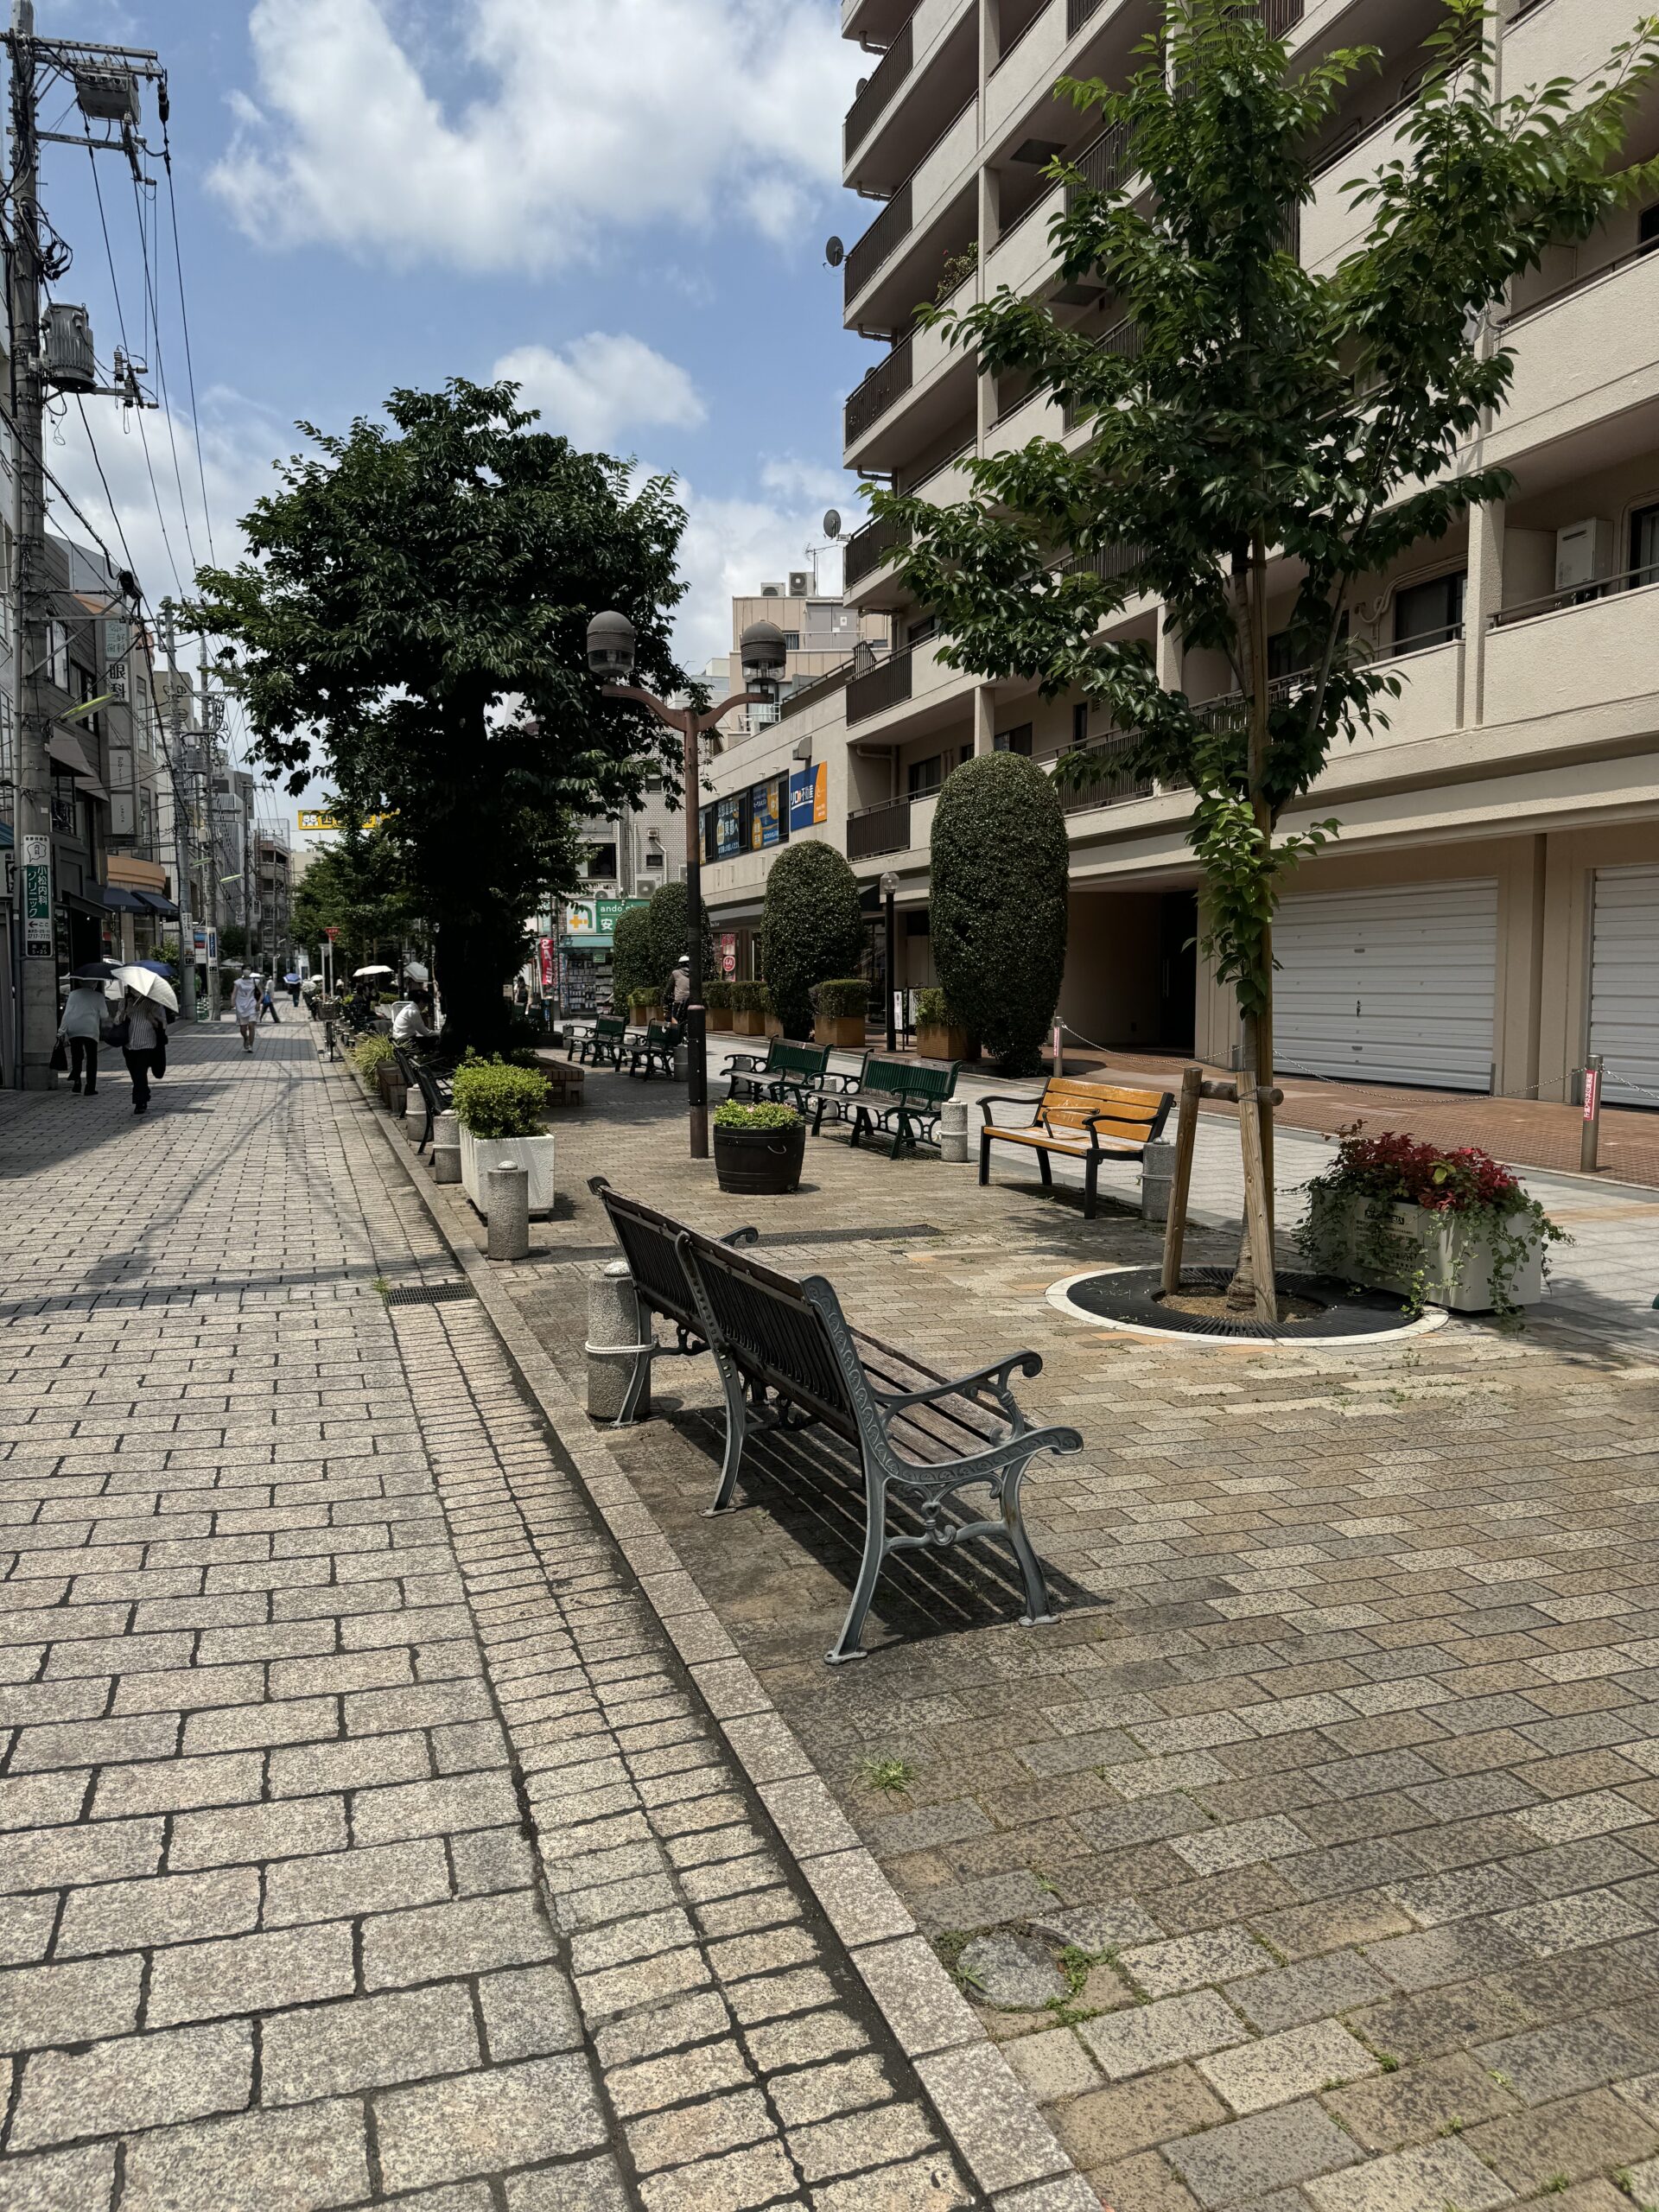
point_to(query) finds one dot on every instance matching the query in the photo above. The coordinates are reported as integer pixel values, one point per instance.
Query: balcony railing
(1104, 164)
(885, 685)
(1078, 13)
(833, 679)
(879, 88)
(868, 548)
(885, 381)
(1110, 561)
(1111, 780)
(876, 830)
(1578, 595)
(1281, 15)
(1228, 707)
(1645, 251)
(1126, 338)
(879, 243)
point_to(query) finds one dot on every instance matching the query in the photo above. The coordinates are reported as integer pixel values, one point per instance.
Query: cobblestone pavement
(1339, 1773)
(364, 1838)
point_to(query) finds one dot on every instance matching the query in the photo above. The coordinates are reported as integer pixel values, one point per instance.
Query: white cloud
(587, 115)
(602, 385)
(732, 546)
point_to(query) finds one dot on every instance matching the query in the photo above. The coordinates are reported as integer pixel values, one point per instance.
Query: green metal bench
(653, 1053)
(783, 1073)
(604, 1044)
(900, 1098)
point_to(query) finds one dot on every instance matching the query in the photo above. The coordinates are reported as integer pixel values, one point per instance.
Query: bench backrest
(647, 1241)
(665, 1033)
(933, 1080)
(767, 1325)
(611, 1026)
(788, 1058)
(1132, 1116)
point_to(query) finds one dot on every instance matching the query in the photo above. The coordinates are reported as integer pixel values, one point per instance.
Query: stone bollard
(614, 1326)
(396, 1100)
(414, 1117)
(953, 1129)
(445, 1148)
(1157, 1179)
(506, 1197)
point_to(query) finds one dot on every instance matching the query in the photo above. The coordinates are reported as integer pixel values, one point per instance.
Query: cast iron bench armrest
(995, 1377)
(737, 1237)
(818, 1085)
(1007, 1098)
(745, 1063)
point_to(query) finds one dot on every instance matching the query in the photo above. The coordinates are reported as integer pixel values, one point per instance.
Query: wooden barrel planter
(760, 1163)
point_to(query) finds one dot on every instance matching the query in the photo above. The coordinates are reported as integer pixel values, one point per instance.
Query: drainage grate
(429, 1293)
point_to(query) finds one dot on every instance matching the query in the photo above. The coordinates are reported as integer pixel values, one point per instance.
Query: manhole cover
(1318, 1308)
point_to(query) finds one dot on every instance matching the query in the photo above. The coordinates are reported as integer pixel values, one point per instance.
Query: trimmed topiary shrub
(717, 996)
(751, 998)
(841, 998)
(632, 956)
(1000, 870)
(493, 1099)
(810, 929)
(670, 938)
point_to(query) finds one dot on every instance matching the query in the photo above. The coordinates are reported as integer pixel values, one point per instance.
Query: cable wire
(189, 359)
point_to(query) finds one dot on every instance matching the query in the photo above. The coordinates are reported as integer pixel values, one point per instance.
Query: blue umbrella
(155, 966)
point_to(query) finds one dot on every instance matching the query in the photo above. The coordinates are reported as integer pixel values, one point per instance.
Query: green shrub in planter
(934, 1010)
(495, 1100)
(812, 928)
(641, 1001)
(1000, 870)
(750, 998)
(841, 998)
(734, 1116)
(632, 956)
(370, 1056)
(718, 996)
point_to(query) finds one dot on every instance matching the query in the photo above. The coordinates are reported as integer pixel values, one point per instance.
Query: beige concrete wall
(1572, 859)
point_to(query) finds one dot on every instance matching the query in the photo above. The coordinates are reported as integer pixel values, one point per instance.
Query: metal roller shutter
(1395, 986)
(1624, 983)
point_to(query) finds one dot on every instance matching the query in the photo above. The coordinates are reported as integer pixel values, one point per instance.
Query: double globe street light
(762, 651)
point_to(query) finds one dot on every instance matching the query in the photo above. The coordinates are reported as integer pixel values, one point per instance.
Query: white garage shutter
(1395, 986)
(1625, 983)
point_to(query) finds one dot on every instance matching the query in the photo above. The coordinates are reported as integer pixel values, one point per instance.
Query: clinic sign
(37, 897)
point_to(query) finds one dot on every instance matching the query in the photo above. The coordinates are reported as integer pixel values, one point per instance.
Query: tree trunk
(470, 966)
(1258, 1025)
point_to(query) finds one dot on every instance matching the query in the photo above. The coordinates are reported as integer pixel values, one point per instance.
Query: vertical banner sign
(809, 796)
(37, 897)
(549, 970)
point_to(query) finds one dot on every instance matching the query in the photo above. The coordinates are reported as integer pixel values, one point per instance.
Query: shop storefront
(576, 967)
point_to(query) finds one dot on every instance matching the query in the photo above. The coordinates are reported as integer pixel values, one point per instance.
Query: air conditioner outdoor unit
(1582, 553)
(799, 583)
(644, 886)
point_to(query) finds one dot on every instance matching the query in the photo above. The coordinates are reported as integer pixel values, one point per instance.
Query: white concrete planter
(1456, 1258)
(535, 1154)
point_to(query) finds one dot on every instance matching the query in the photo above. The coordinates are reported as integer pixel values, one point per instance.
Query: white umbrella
(415, 972)
(359, 973)
(145, 983)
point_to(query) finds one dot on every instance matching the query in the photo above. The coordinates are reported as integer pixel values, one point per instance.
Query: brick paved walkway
(1341, 1767)
(365, 1840)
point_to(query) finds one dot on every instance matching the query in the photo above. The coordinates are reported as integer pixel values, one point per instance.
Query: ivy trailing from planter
(1372, 1175)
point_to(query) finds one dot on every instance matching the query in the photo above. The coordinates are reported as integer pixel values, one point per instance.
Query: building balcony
(1587, 353)
(1593, 652)
(874, 832)
(913, 403)
(917, 86)
(888, 269)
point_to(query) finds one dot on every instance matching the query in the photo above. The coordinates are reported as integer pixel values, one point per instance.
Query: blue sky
(623, 200)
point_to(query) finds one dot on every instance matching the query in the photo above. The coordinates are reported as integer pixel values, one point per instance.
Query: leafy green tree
(671, 937)
(412, 617)
(1252, 421)
(633, 958)
(1000, 870)
(811, 928)
(358, 885)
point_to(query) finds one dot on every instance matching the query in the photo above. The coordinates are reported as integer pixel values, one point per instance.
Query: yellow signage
(313, 818)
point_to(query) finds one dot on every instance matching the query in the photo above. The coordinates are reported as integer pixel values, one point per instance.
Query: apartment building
(1490, 913)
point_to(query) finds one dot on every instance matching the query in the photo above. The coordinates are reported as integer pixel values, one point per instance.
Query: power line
(184, 324)
(161, 376)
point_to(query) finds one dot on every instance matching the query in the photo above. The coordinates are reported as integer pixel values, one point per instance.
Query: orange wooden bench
(1090, 1122)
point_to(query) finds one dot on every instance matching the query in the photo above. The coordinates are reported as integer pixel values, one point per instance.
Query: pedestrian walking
(145, 1050)
(244, 1005)
(679, 988)
(293, 983)
(268, 1004)
(85, 1013)
(521, 994)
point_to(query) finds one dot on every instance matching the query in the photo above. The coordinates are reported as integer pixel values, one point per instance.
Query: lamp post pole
(890, 890)
(610, 654)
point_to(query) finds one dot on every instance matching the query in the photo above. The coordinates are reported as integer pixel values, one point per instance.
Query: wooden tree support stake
(1257, 1216)
(1186, 1131)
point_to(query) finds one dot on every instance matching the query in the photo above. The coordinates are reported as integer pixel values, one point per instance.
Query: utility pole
(35, 973)
(183, 798)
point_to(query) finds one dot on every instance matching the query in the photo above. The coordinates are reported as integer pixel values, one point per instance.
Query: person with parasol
(80, 1029)
(148, 998)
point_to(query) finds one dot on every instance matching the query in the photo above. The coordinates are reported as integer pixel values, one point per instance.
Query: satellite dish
(835, 253)
(832, 525)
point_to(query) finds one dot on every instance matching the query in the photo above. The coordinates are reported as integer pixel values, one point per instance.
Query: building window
(63, 804)
(653, 859)
(601, 861)
(1644, 547)
(791, 641)
(1013, 741)
(925, 776)
(1080, 723)
(1429, 614)
(57, 654)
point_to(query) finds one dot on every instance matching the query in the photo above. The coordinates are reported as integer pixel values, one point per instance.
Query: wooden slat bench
(1087, 1122)
(780, 1073)
(900, 1098)
(788, 1358)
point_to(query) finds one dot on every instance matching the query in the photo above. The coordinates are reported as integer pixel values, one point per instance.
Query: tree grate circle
(1129, 1297)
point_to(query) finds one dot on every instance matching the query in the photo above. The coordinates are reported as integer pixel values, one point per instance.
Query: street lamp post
(890, 892)
(610, 656)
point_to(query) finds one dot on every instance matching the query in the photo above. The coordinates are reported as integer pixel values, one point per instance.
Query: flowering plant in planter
(735, 1116)
(1468, 1204)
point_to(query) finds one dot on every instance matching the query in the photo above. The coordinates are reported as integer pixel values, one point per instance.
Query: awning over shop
(152, 902)
(84, 902)
(65, 750)
(122, 902)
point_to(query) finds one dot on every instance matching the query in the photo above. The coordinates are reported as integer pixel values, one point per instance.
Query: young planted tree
(412, 618)
(1251, 427)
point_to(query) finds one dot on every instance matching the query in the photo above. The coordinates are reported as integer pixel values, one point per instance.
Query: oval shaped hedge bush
(999, 872)
(810, 929)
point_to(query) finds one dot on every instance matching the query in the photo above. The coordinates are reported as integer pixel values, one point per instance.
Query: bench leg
(1031, 1572)
(847, 1644)
(737, 1429)
(638, 1383)
(901, 1134)
(984, 1156)
(1046, 1172)
(860, 1121)
(1091, 1189)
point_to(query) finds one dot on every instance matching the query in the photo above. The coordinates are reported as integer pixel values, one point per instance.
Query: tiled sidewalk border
(985, 2110)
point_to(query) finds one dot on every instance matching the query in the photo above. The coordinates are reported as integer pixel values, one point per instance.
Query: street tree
(410, 622)
(1253, 429)
(359, 886)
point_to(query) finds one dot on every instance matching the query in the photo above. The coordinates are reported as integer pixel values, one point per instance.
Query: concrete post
(953, 1130)
(445, 1148)
(1157, 1178)
(414, 1117)
(506, 1193)
(615, 1331)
